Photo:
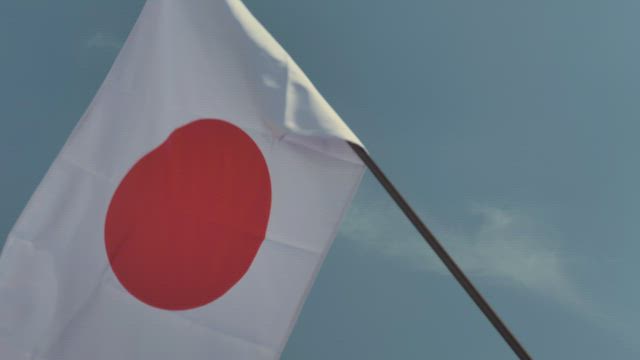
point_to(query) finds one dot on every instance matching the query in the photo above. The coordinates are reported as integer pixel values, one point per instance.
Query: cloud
(504, 246)
(104, 41)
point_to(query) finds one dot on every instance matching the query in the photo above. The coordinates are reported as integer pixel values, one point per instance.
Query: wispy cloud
(102, 40)
(504, 246)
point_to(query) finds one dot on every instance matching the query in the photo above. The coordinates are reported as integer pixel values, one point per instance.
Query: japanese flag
(189, 211)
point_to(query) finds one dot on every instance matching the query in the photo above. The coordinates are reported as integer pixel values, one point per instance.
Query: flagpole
(455, 270)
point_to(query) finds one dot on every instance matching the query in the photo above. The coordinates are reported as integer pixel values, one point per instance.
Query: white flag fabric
(189, 211)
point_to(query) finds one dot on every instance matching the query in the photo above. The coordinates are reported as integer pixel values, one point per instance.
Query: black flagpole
(455, 270)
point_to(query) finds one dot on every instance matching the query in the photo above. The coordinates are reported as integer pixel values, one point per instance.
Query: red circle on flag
(187, 220)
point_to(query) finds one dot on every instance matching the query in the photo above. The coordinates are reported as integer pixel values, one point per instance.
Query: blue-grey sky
(510, 126)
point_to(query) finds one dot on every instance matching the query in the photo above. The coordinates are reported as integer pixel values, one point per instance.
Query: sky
(510, 126)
